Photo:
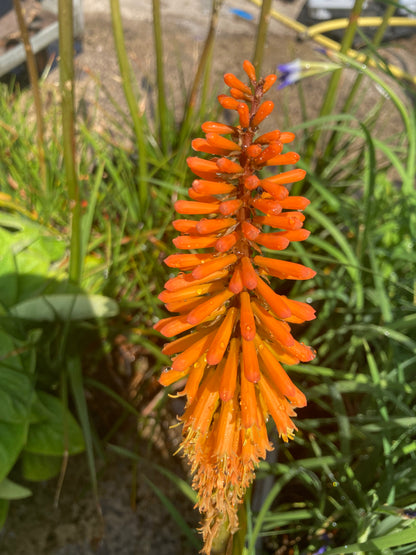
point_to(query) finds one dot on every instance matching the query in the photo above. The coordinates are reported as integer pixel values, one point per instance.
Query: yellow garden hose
(334, 24)
(314, 32)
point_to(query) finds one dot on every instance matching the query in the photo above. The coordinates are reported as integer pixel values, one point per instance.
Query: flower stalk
(234, 329)
(67, 84)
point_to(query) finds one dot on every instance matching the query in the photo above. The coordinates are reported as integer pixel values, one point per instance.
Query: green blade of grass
(377, 545)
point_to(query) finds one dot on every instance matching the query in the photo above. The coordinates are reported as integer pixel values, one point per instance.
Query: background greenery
(82, 235)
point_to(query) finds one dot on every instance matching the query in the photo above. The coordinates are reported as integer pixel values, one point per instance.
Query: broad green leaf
(8, 351)
(12, 440)
(57, 432)
(53, 247)
(16, 395)
(8, 275)
(65, 307)
(39, 467)
(11, 490)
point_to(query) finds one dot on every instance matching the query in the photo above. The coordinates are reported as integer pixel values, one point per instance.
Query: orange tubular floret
(192, 207)
(295, 235)
(196, 373)
(217, 140)
(202, 145)
(193, 290)
(228, 102)
(199, 164)
(168, 377)
(227, 242)
(249, 69)
(251, 182)
(270, 152)
(283, 269)
(229, 377)
(186, 306)
(283, 355)
(244, 114)
(270, 137)
(173, 326)
(274, 369)
(186, 280)
(231, 80)
(229, 207)
(201, 197)
(292, 176)
(225, 431)
(190, 355)
(279, 330)
(251, 363)
(248, 273)
(185, 226)
(239, 95)
(220, 342)
(217, 127)
(303, 311)
(206, 226)
(272, 241)
(283, 159)
(287, 137)
(183, 343)
(301, 351)
(275, 301)
(267, 206)
(194, 241)
(228, 166)
(186, 261)
(278, 192)
(269, 81)
(278, 408)
(253, 151)
(248, 398)
(295, 203)
(262, 113)
(198, 315)
(236, 281)
(212, 187)
(247, 323)
(250, 231)
(213, 266)
(200, 413)
(288, 220)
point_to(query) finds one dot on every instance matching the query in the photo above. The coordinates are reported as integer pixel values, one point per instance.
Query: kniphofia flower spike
(234, 329)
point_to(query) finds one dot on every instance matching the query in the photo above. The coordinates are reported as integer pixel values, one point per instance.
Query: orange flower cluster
(236, 329)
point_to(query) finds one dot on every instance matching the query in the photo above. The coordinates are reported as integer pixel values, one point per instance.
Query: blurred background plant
(85, 218)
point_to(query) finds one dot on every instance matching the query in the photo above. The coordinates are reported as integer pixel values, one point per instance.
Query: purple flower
(290, 73)
(298, 69)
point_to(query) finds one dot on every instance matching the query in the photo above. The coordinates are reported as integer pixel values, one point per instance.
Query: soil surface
(35, 527)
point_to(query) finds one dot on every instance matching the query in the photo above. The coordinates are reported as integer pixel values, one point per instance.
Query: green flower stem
(161, 92)
(66, 75)
(33, 76)
(125, 72)
(266, 7)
